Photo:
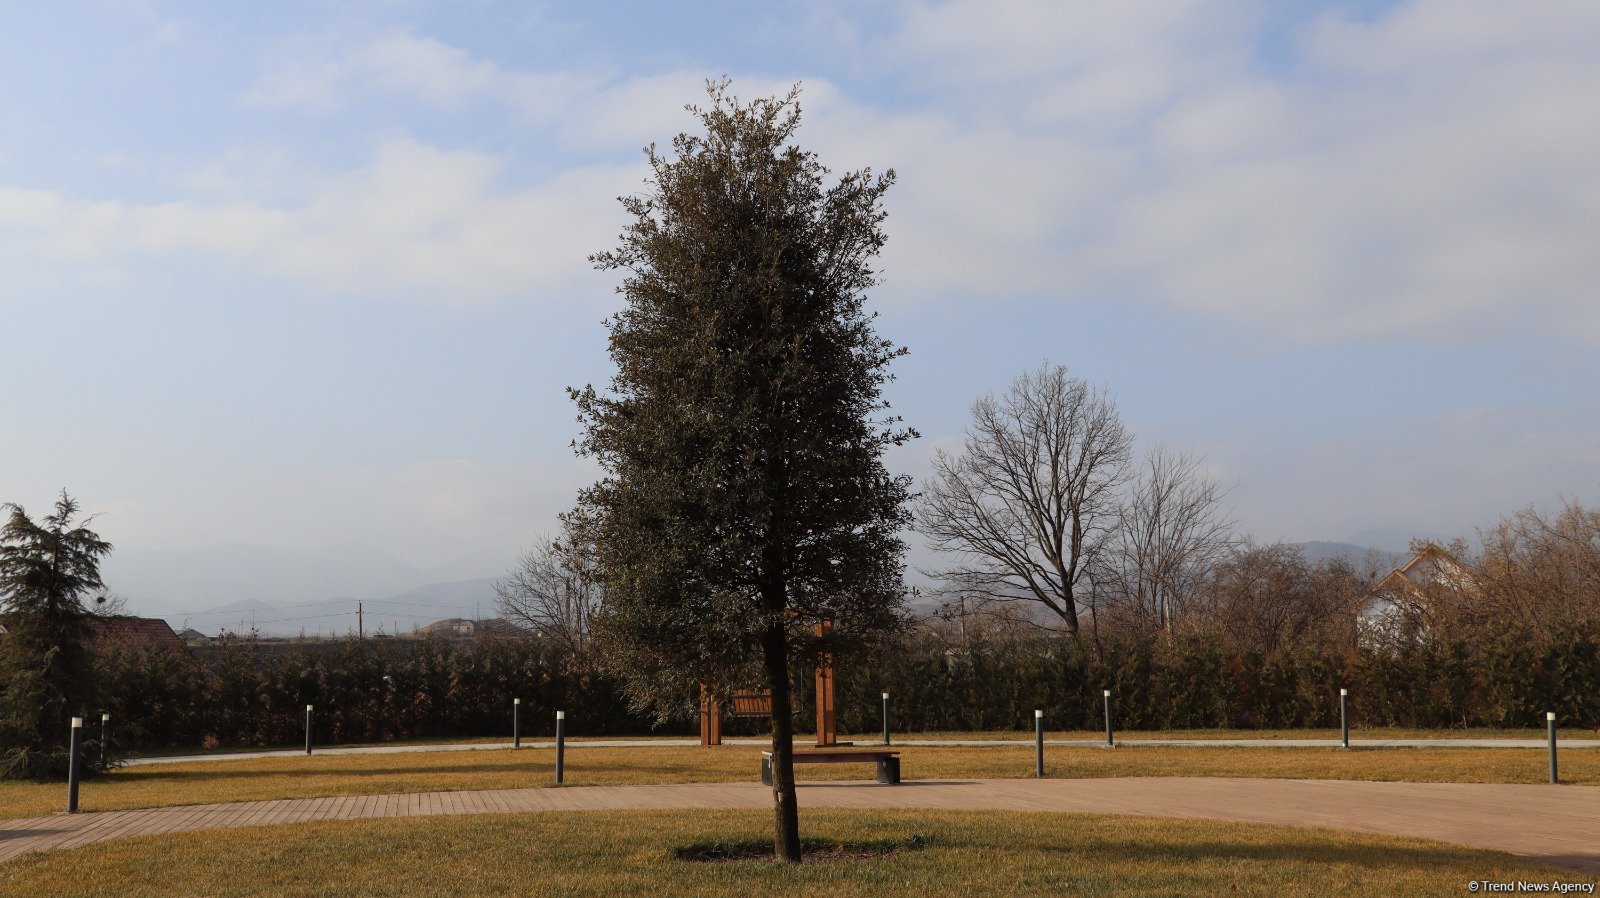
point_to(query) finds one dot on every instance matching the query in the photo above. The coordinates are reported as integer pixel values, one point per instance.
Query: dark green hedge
(1197, 682)
(235, 694)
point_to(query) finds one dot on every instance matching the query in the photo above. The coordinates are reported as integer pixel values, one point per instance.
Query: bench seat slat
(839, 757)
(887, 761)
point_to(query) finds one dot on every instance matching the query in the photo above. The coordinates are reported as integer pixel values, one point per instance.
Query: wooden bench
(752, 704)
(888, 761)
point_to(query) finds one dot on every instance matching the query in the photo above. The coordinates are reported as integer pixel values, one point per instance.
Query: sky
(306, 275)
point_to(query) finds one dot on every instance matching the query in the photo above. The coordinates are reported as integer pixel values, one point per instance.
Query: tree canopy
(745, 499)
(47, 567)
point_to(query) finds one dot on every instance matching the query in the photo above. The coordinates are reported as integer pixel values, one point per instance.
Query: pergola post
(827, 724)
(710, 719)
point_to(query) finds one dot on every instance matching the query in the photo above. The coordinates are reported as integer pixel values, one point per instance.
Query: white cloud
(416, 222)
(416, 68)
(1425, 170)
(1095, 64)
(1430, 169)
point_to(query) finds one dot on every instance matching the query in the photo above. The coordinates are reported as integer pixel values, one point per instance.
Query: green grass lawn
(631, 853)
(206, 782)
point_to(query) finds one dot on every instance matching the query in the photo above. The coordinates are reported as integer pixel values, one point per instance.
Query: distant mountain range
(229, 585)
(283, 592)
(1360, 557)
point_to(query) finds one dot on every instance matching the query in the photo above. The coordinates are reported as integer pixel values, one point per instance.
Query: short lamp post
(1038, 742)
(74, 749)
(561, 746)
(1344, 718)
(308, 729)
(1550, 721)
(516, 723)
(886, 718)
(1109, 742)
(105, 737)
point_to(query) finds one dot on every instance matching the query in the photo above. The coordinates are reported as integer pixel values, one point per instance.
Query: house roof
(151, 630)
(1430, 564)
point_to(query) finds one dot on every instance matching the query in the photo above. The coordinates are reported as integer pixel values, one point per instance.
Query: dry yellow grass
(630, 852)
(1357, 734)
(320, 775)
(1330, 734)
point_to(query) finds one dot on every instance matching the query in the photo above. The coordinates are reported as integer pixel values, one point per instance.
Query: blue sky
(308, 274)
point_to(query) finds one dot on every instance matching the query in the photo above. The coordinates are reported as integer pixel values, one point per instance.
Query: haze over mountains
(282, 591)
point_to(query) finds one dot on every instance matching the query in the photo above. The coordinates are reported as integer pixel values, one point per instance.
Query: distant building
(1401, 606)
(124, 630)
(119, 630)
(463, 628)
(191, 636)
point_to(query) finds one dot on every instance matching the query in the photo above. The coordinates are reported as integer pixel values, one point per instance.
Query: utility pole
(361, 629)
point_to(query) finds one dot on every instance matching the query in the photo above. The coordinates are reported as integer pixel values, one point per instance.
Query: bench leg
(889, 771)
(766, 771)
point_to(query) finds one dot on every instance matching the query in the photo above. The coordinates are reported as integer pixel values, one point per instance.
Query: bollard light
(1039, 743)
(74, 747)
(1550, 720)
(886, 718)
(105, 737)
(1344, 718)
(308, 729)
(1109, 742)
(516, 723)
(561, 746)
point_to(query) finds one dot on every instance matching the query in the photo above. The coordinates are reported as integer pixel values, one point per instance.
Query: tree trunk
(1069, 602)
(786, 835)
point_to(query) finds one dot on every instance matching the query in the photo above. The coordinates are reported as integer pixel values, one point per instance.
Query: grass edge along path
(1556, 825)
(1357, 734)
(299, 776)
(630, 852)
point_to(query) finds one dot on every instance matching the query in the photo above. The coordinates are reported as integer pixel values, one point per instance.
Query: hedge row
(1196, 682)
(236, 695)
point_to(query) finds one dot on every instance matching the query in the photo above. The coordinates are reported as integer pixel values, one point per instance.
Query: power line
(287, 607)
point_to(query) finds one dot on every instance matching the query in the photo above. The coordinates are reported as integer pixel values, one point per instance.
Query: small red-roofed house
(120, 630)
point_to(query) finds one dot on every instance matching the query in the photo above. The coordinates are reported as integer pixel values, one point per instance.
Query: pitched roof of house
(1430, 564)
(151, 630)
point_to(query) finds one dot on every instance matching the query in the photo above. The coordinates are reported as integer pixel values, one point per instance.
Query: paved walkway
(954, 743)
(1556, 824)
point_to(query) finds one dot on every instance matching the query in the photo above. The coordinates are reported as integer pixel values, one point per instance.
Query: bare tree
(1268, 599)
(1031, 499)
(1538, 569)
(110, 605)
(554, 590)
(1172, 530)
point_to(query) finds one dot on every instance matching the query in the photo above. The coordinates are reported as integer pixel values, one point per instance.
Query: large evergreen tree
(745, 498)
(46, 569)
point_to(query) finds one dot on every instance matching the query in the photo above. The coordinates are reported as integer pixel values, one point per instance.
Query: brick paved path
(1555, 824)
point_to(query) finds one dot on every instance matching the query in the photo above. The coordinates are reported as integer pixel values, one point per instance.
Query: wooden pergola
(759, 704)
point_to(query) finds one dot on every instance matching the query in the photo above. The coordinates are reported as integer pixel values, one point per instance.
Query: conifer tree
(46, 569)
(744, 499)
